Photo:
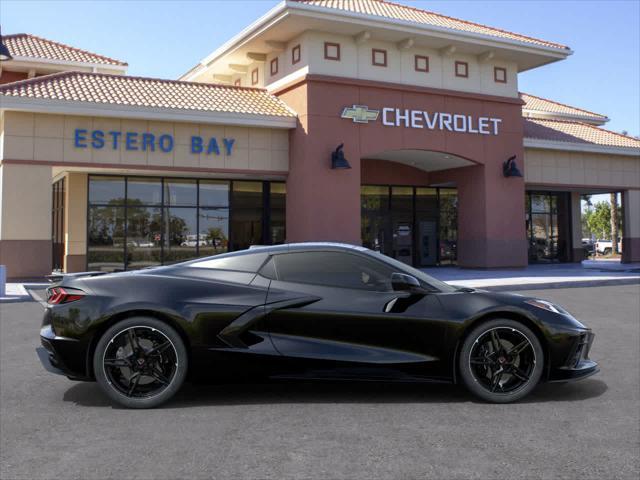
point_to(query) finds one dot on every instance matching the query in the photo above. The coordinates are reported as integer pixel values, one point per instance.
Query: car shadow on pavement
(90, 395)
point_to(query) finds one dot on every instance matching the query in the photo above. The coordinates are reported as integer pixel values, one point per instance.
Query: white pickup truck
(605, 247)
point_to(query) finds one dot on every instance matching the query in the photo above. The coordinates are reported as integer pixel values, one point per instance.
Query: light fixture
(510, 169)
(338, 162)
(4, 51)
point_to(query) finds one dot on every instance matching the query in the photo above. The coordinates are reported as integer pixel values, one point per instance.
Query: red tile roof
(395, 11)
(544, 105)
(575, 132)
(31, 46)
(103, 88)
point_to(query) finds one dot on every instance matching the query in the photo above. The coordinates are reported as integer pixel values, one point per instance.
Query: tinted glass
(105, 245)
(246, 215)
(180, 234)
(278, 213)
(247, 262)
(144, 234)
(144, 191)
(106, 190)
(214, 193)
(334, 269)
(180, 193)
(214, 231)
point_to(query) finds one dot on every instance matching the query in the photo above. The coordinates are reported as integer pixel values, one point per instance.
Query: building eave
(66, 107)
(581, 147)
(529, 113)
(48, 62)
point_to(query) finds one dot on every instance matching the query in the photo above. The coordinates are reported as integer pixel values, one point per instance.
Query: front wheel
(501, 361)
(140, 362)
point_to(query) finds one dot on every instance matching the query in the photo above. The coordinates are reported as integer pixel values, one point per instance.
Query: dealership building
(366, 122)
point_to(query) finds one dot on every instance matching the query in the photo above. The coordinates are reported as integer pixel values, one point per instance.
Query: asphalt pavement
(51, 427)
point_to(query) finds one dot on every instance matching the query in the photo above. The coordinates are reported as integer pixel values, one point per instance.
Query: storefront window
(105, 238)
(136, 222)
(547, 218)
(246, 216)
(277, 216)
(416, 225)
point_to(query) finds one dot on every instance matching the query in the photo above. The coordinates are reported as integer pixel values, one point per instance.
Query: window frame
(416, 58)
(274, 62)
(495, 74)
(255, 76)
(296, 54)
(375, 51)
(327, 45)
(465, 65)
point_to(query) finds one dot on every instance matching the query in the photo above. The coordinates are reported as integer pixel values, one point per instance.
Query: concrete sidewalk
(547, 276)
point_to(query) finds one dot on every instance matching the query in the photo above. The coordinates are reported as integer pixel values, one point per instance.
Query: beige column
(75, 221)
(25, 220)
(577, 252)
(631, 239)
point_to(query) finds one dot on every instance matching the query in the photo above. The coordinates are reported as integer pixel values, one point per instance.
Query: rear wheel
(501, 361)
(140, 362)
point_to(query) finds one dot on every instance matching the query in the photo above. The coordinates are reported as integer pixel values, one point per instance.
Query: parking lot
(51, 427)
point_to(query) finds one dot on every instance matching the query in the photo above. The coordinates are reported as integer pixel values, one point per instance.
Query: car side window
(333, 269)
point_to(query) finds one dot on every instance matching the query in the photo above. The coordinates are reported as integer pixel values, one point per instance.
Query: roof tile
(395, 11)
(575, 132)
(550, 106)
(31, 46)
(148, 92)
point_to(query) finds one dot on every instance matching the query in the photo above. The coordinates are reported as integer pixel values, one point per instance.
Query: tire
(498, 375)
(140, 362)
(607, 251)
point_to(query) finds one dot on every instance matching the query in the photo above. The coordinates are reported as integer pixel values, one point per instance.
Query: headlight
(544, 305)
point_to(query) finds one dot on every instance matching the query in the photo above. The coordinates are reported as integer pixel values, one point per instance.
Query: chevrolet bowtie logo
(360, 114)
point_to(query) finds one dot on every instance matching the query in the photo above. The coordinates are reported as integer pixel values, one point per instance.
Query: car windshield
(432, 283)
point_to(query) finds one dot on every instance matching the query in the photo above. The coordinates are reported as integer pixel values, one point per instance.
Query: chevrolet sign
(360, 114)
(397, 117)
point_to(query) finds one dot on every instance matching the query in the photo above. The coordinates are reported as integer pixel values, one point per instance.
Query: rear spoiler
(57, 277)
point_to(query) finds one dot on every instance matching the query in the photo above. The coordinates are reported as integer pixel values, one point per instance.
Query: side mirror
(405, 283)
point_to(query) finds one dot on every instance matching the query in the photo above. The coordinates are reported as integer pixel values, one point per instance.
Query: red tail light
(58, 295)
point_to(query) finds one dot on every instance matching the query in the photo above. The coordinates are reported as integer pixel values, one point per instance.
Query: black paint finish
(238, 323)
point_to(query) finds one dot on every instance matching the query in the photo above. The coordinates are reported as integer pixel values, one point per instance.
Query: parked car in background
(605, 247)
(588, 247)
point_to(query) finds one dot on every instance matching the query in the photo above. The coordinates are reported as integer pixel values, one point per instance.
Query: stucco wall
(50, 138)
(553, 167)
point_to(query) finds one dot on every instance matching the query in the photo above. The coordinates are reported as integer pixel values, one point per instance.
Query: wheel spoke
(159, 349)
(519, 348)
(133, 339)
(117, 362)
(159, 376)
(495, 381)
(480, 361)
(495, 340)
(519, 374)
(134, 385)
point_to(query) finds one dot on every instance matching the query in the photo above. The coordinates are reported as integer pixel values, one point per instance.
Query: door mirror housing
(401, 282)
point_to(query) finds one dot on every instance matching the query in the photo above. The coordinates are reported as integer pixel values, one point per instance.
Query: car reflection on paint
(302, 311)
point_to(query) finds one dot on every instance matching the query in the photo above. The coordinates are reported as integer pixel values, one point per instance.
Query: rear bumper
(61, 355)
(578, 364)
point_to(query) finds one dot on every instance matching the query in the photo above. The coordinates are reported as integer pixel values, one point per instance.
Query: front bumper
(61, 355)
(578, 364)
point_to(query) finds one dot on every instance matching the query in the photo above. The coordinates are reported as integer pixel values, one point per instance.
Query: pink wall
(324, 204)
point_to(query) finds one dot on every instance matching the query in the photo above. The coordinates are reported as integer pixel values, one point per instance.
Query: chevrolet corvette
(310, 311)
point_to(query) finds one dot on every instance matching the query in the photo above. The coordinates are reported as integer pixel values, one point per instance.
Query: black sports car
(304, 311)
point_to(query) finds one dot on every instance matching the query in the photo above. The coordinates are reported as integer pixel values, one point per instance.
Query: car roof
(302, 246)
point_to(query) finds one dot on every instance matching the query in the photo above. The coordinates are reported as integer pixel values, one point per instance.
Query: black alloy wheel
(140, 362)
(501, 361)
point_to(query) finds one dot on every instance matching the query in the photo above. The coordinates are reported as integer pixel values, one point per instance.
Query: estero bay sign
(403, 117)
(136, 141)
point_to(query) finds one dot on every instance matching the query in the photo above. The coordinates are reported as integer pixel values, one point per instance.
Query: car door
(349, 321)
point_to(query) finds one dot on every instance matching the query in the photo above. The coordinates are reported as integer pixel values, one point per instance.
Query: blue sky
(166, 38)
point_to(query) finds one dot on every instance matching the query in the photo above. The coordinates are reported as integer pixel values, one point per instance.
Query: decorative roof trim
(587, 112)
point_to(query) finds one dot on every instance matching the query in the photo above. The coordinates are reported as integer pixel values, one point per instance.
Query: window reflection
(136, 222)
